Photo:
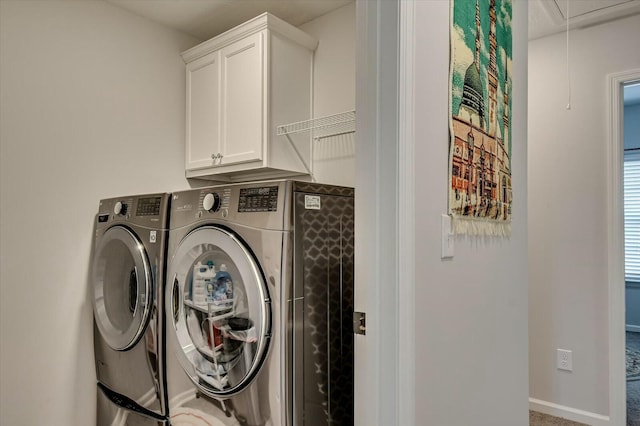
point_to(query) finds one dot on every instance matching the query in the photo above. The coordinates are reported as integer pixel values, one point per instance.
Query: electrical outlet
(564, 360)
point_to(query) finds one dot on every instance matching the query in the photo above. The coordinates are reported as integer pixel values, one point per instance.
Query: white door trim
(385, 359)
(376, 199)
(406, 218)
(617, 379)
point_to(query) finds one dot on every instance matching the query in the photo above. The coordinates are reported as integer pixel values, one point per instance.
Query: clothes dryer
(259, 304)
(127, 279)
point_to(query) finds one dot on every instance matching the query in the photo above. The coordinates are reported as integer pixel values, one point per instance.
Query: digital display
(148, 206)
(263, 199)
(103, 218)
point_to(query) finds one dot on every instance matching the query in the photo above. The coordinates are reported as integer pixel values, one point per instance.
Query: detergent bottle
(198, 287)
(224, 285)
(209, 281)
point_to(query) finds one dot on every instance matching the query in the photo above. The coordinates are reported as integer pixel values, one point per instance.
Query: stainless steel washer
(259, 302)
(127, 279)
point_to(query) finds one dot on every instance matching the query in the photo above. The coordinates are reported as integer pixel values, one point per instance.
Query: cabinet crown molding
(266, 21)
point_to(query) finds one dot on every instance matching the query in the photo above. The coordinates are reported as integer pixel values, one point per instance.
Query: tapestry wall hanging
(480, 194)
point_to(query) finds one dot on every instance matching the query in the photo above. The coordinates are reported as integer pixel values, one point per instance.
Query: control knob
(211, 202)
(120, 208)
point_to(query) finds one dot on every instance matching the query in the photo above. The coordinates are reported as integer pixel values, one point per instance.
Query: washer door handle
(133, 290)
(128, 403)
(175, 299)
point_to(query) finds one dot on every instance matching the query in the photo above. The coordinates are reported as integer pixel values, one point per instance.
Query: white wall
(334, 91)
(569, 305)
(92, 106)
(471, 311)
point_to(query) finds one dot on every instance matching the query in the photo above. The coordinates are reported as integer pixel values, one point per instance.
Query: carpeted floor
(539, 419)
(633, 386)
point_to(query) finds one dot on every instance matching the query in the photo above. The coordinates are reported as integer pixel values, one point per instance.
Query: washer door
(219, 307)
(122, 285)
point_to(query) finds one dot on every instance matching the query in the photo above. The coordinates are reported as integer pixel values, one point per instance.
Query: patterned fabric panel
(318, 188)
(327, 256)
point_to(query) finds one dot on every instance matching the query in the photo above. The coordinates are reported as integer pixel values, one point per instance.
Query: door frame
(384, 263)
(406, 219)
(617, 321)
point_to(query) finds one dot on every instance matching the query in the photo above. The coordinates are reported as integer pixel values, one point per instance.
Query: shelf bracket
(320, 128)
(304, 163)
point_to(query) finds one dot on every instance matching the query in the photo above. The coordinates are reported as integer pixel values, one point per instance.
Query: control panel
(148, 206)
(254, 204)
(262, 199)
(147, 210)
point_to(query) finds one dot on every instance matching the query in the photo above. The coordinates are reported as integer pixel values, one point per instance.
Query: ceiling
(204, 19)
(548, 17)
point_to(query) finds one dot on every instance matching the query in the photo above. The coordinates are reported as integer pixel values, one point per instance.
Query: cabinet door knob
(216, 158)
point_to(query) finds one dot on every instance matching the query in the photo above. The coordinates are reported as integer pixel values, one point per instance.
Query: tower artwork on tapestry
(480, 195)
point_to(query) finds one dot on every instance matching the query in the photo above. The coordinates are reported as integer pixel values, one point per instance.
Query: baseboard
(634, 328)
(569, 413)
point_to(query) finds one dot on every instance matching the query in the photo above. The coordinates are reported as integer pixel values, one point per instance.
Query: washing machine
(127, 279)
(259, 304)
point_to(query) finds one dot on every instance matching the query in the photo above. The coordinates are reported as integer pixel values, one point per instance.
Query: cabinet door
(243, 100)
(203, 111)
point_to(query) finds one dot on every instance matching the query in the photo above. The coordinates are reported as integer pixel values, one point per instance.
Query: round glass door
(122, 286)
(219, 306)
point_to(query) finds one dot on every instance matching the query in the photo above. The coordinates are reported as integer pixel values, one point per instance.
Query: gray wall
(632, 140)
(632, 304)
(632, 126)
(568, 240)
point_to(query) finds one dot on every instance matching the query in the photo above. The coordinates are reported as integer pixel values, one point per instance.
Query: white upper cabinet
(203, 111)
(241, 85)
(243, 80)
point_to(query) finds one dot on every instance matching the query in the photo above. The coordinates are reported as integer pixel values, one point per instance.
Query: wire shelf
(330, 126)
(323, 127)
